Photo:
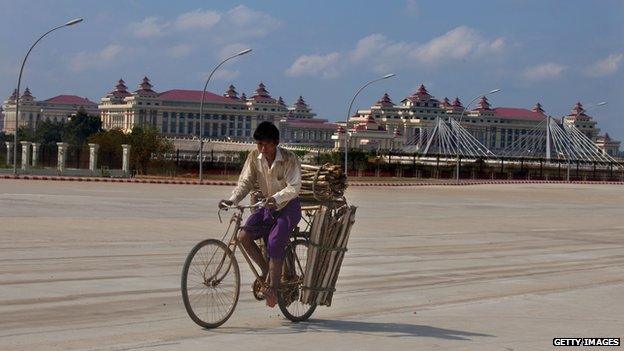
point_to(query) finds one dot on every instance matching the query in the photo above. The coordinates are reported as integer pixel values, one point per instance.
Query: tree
(46, 132)
(334, 157)
(110, 146)
(3, 138)
(25, 134)
(80, 127)
(300, 153)
(49, 132)
(148, 148)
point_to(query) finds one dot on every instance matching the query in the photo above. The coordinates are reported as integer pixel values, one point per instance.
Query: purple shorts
(274, 226)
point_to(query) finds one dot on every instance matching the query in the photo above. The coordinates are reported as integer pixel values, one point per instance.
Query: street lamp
(460, 119)
(19, 82)
(201, 112)
(390, 75)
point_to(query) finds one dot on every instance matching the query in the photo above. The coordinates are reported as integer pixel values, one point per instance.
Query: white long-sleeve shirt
(282, 180)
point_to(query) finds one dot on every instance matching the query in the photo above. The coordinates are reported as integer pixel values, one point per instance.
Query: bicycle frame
(237, 219)
(233, 242)
(221, 253)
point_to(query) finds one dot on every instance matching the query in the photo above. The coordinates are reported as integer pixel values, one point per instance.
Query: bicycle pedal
(256, 290)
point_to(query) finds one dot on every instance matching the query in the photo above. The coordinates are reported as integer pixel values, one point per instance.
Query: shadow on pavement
(392, 329)
(364, 328)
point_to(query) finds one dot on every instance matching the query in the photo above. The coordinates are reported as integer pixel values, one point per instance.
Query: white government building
(33, 111)
(229, 116)
(385, 125)
(388, 125)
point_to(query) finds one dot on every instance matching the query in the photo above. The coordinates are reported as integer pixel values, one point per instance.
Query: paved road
(492, 267)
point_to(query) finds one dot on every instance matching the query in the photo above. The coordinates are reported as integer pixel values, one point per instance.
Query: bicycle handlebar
(257, 205)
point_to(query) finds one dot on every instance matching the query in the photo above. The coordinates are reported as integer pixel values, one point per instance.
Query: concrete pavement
(96, 266)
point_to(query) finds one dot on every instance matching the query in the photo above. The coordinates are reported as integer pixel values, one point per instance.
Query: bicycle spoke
(292, 307)
(211, 285)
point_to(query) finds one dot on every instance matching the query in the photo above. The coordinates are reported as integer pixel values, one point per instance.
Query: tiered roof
(231, 93)
(605, 137)
(385, 101)
(13, 96)
(421, 95)
(300, 104)
(262, 95)
(457, 103)
(370, 125)
(121, 90)
(578, 109)
(538, 108)
(483, 104)
(145, 87)
(27, 95)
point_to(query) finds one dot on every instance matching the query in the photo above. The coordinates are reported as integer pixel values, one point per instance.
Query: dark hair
(266, 131)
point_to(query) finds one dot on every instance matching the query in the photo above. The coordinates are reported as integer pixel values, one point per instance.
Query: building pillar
(25, 154)
(62, 151)
(36, 149)
(126, 159)
(9, 154)
(93, 157)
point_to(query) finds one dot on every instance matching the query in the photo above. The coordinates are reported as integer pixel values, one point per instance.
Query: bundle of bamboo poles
(322, 183)
(328, 243)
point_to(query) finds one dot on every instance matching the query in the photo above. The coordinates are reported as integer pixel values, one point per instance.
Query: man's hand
(271, 203)
(225, 203)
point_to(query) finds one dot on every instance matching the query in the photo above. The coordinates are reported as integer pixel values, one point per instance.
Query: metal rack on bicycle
(328, 224)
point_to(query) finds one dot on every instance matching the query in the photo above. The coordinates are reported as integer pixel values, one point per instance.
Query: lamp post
(201, 112)
(346, 147)
(460, 119)
(19, 82)
(568, 171)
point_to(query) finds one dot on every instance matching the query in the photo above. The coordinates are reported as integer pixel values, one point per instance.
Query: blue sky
(555, 52)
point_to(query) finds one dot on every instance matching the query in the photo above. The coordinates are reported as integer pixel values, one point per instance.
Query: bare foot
(271, 297)
(257, 288)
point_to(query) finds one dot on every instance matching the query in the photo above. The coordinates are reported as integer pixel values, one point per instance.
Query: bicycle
(212, 271)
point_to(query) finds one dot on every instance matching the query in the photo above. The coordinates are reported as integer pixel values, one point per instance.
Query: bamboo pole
(336, 270)
(336, 244)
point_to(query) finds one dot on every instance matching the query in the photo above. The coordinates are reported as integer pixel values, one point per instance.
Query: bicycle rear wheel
(210, 283)
(292, 278)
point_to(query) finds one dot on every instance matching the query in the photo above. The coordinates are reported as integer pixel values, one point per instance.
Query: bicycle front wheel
(210, 283)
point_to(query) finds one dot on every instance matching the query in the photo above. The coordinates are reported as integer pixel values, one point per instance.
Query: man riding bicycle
(277, 172)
